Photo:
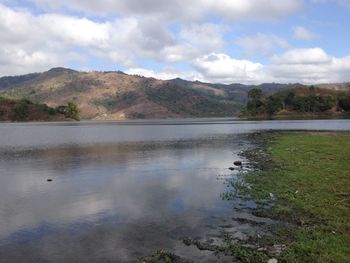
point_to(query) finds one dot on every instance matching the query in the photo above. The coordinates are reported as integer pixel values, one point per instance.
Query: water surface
(122, 190)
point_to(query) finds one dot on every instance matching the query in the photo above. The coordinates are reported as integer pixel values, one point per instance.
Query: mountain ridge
(115, 95)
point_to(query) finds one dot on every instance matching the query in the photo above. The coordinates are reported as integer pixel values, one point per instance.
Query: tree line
(311, 101)
(21, 110)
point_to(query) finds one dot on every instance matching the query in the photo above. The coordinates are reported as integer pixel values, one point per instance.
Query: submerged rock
(200, 245)
(238, 163)
(49, 180)
(164, 257)
(231, 168)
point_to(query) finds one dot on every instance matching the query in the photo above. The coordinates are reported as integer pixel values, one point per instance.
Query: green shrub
(20, 111)
(72, 111)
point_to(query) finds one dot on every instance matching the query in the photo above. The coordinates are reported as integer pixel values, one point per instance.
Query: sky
(219, 41)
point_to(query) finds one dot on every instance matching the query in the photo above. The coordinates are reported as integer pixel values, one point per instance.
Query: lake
(118, 191)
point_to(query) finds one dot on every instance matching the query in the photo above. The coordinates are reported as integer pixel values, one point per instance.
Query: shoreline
(179, 120)
(296, 116)
(301, 230)
(301, 179)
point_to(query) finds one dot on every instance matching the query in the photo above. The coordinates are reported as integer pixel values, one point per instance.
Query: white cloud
(182, 10)
(307, 66)
(122, 41)
(165, 74)
(252, 9)
(195, 40)
(311, 65)
(127, 32)
(163, 31)
(303, 34)
(214, 67)
(42, 41)
(303, 56)
(224, 69)
(261, 44)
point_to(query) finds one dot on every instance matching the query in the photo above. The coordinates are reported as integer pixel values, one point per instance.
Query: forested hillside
(114, 95)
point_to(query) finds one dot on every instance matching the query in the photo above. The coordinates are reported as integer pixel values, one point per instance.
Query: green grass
(309, 177)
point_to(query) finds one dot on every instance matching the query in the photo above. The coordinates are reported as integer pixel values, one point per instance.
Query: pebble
(238, 163)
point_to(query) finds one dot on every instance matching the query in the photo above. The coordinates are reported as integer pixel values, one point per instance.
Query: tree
(21, 110)
(325, 103)
(255, 94)
(273, 105)
(344, 102)
(299, 104)
(255, 100)
(288, 101)
(72, 111)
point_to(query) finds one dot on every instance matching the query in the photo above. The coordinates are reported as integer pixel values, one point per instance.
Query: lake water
(122, 190)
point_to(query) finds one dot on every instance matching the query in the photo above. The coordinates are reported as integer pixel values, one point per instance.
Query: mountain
(116, 95)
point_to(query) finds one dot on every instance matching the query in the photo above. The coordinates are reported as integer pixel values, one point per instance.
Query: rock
(273, 260)
(200, 245)
(187, 241)
(231, 168)
(250, 246)
(238, 163)
(49, 180)
(276, 250)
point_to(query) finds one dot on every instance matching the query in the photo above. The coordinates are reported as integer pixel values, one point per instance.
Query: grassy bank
(306, 176)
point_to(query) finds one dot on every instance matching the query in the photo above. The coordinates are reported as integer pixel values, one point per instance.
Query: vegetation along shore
(298, 103)
(12, 110)
(301, 182)
(305, 179)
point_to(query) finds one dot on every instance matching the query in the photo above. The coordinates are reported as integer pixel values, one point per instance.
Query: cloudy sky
(224, 41)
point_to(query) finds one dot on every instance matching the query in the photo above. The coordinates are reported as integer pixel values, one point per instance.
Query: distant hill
(115, 95)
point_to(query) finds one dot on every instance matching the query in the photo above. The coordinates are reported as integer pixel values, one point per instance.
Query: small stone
(49, 180)
(187, 241)
(231, 168)
(276, 250)
(273, 260)
(238, 163)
